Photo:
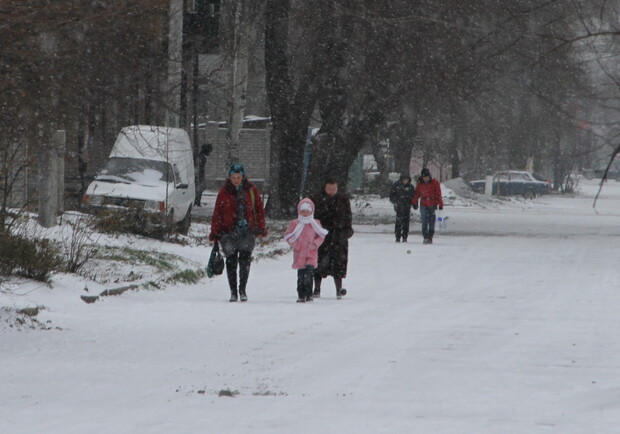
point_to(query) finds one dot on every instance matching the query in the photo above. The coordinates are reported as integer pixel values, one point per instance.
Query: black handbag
(216, 262)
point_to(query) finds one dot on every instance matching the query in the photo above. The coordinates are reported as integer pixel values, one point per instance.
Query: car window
(538, 177)
(177, 173)
(138, 170)
(529, 177)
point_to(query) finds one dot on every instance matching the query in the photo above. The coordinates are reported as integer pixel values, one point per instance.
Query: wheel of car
(186, 222)
(529, 194)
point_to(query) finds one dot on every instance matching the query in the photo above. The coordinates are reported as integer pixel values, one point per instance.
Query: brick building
(254, 148)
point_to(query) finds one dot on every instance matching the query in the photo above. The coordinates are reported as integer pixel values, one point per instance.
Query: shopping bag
(216, 262)
(442, 221)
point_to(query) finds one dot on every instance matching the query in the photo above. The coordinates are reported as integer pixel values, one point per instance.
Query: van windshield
(137, 170)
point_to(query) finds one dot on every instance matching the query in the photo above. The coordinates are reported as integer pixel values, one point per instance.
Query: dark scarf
(241, 222)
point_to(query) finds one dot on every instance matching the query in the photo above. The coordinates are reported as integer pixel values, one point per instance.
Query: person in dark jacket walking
(237, 218)
(401, 195)
(333, 210)
(201, 163)
(428, 193)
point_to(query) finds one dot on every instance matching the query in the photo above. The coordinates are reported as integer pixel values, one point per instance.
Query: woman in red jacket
(237, 218)
(428, 192)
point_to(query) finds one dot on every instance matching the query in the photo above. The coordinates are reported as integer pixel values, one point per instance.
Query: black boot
(317, 287)
(231, 273)
(305, 278)
(339, 291)
(245, 261)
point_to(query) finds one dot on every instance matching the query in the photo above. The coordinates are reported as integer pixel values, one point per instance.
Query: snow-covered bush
(31, 258)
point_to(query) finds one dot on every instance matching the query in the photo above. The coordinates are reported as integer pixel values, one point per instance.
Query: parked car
(513, 182)
(149, 177)
(539, 177)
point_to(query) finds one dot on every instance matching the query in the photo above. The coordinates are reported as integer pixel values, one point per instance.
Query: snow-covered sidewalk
(506, 324)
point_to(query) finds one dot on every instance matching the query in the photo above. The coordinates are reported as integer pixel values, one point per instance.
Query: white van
(150, 176)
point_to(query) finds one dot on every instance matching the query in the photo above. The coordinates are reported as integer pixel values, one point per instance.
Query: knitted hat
(425, 172)
(305, 204)
(236, 168)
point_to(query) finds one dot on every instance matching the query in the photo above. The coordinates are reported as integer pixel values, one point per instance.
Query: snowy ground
(506, 324)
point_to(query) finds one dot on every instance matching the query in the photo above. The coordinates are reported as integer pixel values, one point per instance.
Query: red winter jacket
(428, 193)
(225, 212)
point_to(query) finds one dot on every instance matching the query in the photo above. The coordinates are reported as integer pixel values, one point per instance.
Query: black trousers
(238, 247)
(401, 226)
(305, 279)
(244, 261)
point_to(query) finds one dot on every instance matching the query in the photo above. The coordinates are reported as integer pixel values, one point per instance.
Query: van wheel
(186, 222)
(529, 194)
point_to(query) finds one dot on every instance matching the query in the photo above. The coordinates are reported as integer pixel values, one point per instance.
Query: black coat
(334, 213)
(401, 195)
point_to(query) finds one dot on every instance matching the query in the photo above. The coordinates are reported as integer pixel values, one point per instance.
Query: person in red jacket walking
(428, 193)
(237, 218)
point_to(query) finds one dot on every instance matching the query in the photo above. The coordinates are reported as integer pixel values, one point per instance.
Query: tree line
(475, 85)
(83, 67)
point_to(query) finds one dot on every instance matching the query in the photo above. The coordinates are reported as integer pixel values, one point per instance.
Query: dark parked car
(539, 177)
(513, 182)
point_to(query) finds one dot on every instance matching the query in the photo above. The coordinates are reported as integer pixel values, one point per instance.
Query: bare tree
(85, 69)
(240, 27)
(292, 92)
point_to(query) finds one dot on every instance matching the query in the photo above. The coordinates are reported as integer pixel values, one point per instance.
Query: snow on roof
(151, 142)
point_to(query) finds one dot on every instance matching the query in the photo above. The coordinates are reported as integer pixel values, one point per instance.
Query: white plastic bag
(442, 221)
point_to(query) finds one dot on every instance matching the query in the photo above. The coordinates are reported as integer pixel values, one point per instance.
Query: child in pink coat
(305, 234)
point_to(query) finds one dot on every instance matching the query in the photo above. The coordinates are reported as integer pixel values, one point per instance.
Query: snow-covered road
(506, 324)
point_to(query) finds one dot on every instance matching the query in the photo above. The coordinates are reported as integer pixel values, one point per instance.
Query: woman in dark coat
(237, 218)
(333, 210)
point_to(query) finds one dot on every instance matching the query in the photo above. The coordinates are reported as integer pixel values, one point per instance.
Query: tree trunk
(402, 145)
(48, 185)
(175, 49)
(286, 167)
(237, 77)
(333, 154)
(290, 111)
